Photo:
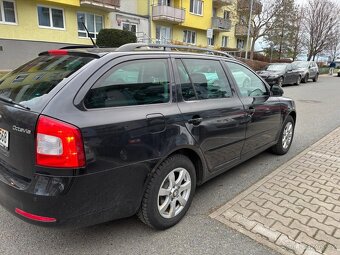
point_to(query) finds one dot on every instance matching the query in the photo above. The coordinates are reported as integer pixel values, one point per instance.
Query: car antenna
(88, 34)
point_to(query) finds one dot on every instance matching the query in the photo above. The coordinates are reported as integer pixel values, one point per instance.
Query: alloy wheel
(174, 193)
(287, 135)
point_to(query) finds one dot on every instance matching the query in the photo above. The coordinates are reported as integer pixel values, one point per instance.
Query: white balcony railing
(168, 14)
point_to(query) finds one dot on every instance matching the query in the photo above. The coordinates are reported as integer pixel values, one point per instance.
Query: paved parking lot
(296, 209)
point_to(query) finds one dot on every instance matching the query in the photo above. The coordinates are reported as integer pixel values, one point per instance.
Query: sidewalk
(295, 209)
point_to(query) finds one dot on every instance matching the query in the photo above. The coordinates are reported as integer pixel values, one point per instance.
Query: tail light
(58, 144)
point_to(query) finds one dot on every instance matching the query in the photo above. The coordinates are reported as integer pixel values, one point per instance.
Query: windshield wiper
(10, 101)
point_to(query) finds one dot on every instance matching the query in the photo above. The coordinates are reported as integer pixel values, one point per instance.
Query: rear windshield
(31, 82)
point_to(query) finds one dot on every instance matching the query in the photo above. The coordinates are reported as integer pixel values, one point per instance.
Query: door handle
(195, 121)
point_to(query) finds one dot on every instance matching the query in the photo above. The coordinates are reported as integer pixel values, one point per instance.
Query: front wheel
(305, 80)
(285, 138)
(169, 193)
(316, 78)
(298, 81)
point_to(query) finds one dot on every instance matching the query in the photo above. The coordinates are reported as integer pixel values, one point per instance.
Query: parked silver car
(307, 69)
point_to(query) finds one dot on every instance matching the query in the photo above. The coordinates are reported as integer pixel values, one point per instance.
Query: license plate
(4, 138)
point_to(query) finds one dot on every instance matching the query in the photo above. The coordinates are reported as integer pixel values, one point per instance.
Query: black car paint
(112, 184)
(289, 75)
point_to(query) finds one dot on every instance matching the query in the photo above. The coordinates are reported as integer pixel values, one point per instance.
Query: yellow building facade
(208, 23)
(28, 27)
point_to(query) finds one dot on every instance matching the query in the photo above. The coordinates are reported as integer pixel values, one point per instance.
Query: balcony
(220, 3)
(107, 5)
(220, 24)
(241, 30)
(244, 6)
(168, 14)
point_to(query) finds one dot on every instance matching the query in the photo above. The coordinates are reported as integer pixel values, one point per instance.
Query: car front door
(263, 110)
(211, 110)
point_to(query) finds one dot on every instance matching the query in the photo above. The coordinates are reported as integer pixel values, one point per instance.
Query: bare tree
(335, 43)
(320, 20)
(262, 21)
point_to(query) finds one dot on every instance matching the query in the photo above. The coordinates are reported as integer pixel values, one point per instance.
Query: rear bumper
(75, 201)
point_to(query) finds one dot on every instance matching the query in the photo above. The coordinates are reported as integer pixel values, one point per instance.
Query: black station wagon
(92, 135)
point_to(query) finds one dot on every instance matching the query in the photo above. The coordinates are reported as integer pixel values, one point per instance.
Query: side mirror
(276, 90)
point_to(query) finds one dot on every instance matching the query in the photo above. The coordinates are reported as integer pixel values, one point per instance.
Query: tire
(162, 211)
(316, 78)
(298, 80)
(280, 82)
(305, 80)
(283, 145)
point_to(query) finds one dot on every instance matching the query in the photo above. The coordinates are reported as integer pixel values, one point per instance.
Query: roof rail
(168, 47)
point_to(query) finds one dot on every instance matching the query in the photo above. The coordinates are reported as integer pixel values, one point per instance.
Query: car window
(29, 83)
(202, 79)
(137, 82)
(247, 82)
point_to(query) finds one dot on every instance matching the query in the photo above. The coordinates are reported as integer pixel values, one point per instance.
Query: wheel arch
(196, 159)
(293, 114)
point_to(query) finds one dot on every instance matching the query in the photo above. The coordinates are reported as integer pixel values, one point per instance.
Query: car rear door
(313, 69)
(211, 111)
(125, 112)
(263, 111)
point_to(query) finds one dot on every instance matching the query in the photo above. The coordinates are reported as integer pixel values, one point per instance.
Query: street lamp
(249, 26)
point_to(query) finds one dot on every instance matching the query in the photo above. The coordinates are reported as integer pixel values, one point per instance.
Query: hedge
(115, 38)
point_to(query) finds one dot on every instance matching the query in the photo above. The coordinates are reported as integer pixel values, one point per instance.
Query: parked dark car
(307, 69)
(89, 136)
(280, 74)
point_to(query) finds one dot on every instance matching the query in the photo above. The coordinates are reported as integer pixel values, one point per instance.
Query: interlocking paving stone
(295, 209)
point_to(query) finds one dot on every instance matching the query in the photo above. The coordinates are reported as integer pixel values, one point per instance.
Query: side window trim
(234, 83)
(114, 63)
(228, 84)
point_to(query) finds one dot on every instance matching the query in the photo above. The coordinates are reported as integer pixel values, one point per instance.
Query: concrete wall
(17, 52)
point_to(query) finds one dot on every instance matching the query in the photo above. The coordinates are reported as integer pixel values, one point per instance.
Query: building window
(224, 41)
(189, 37)
(196, 7)
(51, 17)
(164, 2)
(226, 14)
(240, 44)
(94, 23)
(211, 41)
(163, 34)
(7, 12)
(129, 27)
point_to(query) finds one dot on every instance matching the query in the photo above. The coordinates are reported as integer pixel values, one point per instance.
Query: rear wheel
(169, 193)
(285, 138)
(316, 78)
(305, 80)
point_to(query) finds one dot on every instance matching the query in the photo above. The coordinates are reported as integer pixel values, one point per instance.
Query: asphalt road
(318, 106)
